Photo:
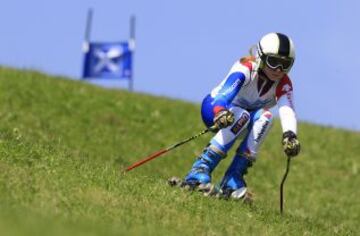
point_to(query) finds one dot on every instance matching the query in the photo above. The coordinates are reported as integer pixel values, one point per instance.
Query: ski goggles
(275, 62)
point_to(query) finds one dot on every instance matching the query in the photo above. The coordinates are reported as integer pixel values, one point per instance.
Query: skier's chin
(273, 75)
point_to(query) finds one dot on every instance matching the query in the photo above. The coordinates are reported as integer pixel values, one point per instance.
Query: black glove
(223, 118)
(290, 144)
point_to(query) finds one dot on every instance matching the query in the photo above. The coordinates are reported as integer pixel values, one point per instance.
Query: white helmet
(276, 50)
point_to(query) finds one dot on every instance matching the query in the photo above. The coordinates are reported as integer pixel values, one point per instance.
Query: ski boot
(200, 174)
(233, 184)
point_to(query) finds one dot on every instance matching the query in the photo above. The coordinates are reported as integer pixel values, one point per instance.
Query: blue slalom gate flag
(107, 60)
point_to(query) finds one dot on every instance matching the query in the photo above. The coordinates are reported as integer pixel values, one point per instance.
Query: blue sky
(185, 48)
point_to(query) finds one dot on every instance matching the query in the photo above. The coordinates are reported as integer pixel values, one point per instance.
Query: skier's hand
(223, 118)
(291, 144)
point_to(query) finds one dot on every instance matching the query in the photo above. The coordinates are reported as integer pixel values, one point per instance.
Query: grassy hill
(64, 145)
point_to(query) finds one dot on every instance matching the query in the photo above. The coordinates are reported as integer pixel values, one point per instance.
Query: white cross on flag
(107, 60)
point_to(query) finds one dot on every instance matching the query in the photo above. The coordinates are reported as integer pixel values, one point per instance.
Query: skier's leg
(200, 172)
(233, 183)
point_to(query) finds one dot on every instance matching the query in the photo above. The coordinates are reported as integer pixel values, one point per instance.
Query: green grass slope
(64, 146)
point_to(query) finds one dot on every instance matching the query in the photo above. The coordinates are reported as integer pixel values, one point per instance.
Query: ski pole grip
(213, 128)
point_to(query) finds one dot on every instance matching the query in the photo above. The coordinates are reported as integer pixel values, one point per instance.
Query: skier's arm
(285, 102)
(228, 90)
(230, 87)
(287, 113)
(224, 94)
(284, 94)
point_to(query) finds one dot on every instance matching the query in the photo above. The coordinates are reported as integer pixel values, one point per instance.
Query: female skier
(240, 105)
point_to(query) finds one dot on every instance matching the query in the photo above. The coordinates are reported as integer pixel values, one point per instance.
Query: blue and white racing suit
(249, 94)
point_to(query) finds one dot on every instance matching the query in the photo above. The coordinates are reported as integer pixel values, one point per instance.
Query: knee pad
(247, 154)
(268, 115)
(217, 151)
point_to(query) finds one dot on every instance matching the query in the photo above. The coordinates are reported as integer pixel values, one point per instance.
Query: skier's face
(273, 74)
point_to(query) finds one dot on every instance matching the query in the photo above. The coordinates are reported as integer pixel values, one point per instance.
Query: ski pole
(282, 185)
(165, 150)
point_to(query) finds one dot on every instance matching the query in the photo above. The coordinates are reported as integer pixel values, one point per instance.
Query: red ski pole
(162, 151)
